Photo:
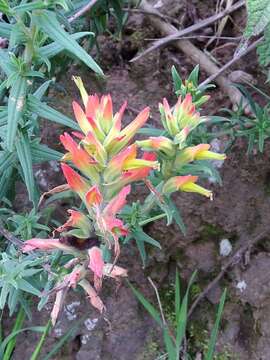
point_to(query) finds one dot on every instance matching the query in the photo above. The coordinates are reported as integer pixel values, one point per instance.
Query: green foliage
(174, 327)
(191, 86)
(39, 32)
(259, 22)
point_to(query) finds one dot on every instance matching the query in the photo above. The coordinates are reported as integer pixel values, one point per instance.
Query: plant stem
(41, 341)
(154, 218)
(17, 326)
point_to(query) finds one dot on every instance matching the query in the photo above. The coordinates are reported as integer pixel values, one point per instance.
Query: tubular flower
(46, 244)
(187, 184)
(160, 144)
(125, 161)
(108, 223)
(184, 115)
(95, 149)
(130, 176)
(129, 131)
(80, 86)
(96, 262)
(101, 111)
(199, 152)
(80, 222)
(79, 157)
(93, 196)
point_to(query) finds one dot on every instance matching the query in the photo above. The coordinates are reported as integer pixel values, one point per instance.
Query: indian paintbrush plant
(101, 164)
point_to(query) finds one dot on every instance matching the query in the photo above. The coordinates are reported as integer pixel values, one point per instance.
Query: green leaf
(47, 21)
(141, 248)
(43, 110)
(24, 154)
(41, 153)
(7, 160)
(170, 347)
(4, 293)
(55, 48)
(35, 5)
(15, 333)
(16, 102)
(27, 287)
(147, 305)
(181, 317)
(177, 293)
(5, 62)
(177, 81)
(4, 7)
(176, 214)
(214, 333)
(258, 16)
(194, 75)
(5, 30)
(140, 235)
(39, 93)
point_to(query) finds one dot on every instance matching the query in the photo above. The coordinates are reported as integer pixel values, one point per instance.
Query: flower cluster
(105, 162)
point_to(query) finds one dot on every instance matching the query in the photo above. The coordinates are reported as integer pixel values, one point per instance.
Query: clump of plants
(102, 162)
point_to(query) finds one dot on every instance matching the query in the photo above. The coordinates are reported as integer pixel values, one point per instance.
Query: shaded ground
(240, 209)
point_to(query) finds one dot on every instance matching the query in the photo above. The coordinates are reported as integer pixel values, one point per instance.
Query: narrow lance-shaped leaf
(47, 21)
(24, 154)
(5, 63)
(5, 30)
(43, 110)
(214, 333)
(16, 102)
(42, 153)
(56, 47)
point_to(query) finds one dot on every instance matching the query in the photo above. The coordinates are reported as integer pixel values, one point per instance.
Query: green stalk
(41, 341)
(154, 218)
(17, 326)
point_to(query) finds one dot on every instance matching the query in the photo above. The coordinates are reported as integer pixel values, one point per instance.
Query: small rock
(241, 285)
(225, 247)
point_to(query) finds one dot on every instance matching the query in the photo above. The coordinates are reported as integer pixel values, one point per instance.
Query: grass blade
(181, 317)
(41, 341)
(147, 305)
(70, 333)
(17, 326)
(214, 333)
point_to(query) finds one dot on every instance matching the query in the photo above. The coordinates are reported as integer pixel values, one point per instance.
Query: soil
(240, 209)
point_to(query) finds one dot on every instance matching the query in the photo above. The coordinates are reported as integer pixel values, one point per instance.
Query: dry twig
(235, 258)
(196, 55)
(172, 36)
(9, 236)
(231, 62)
(82, 11)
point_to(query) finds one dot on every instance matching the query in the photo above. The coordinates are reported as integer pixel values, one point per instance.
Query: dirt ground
(240, 209)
